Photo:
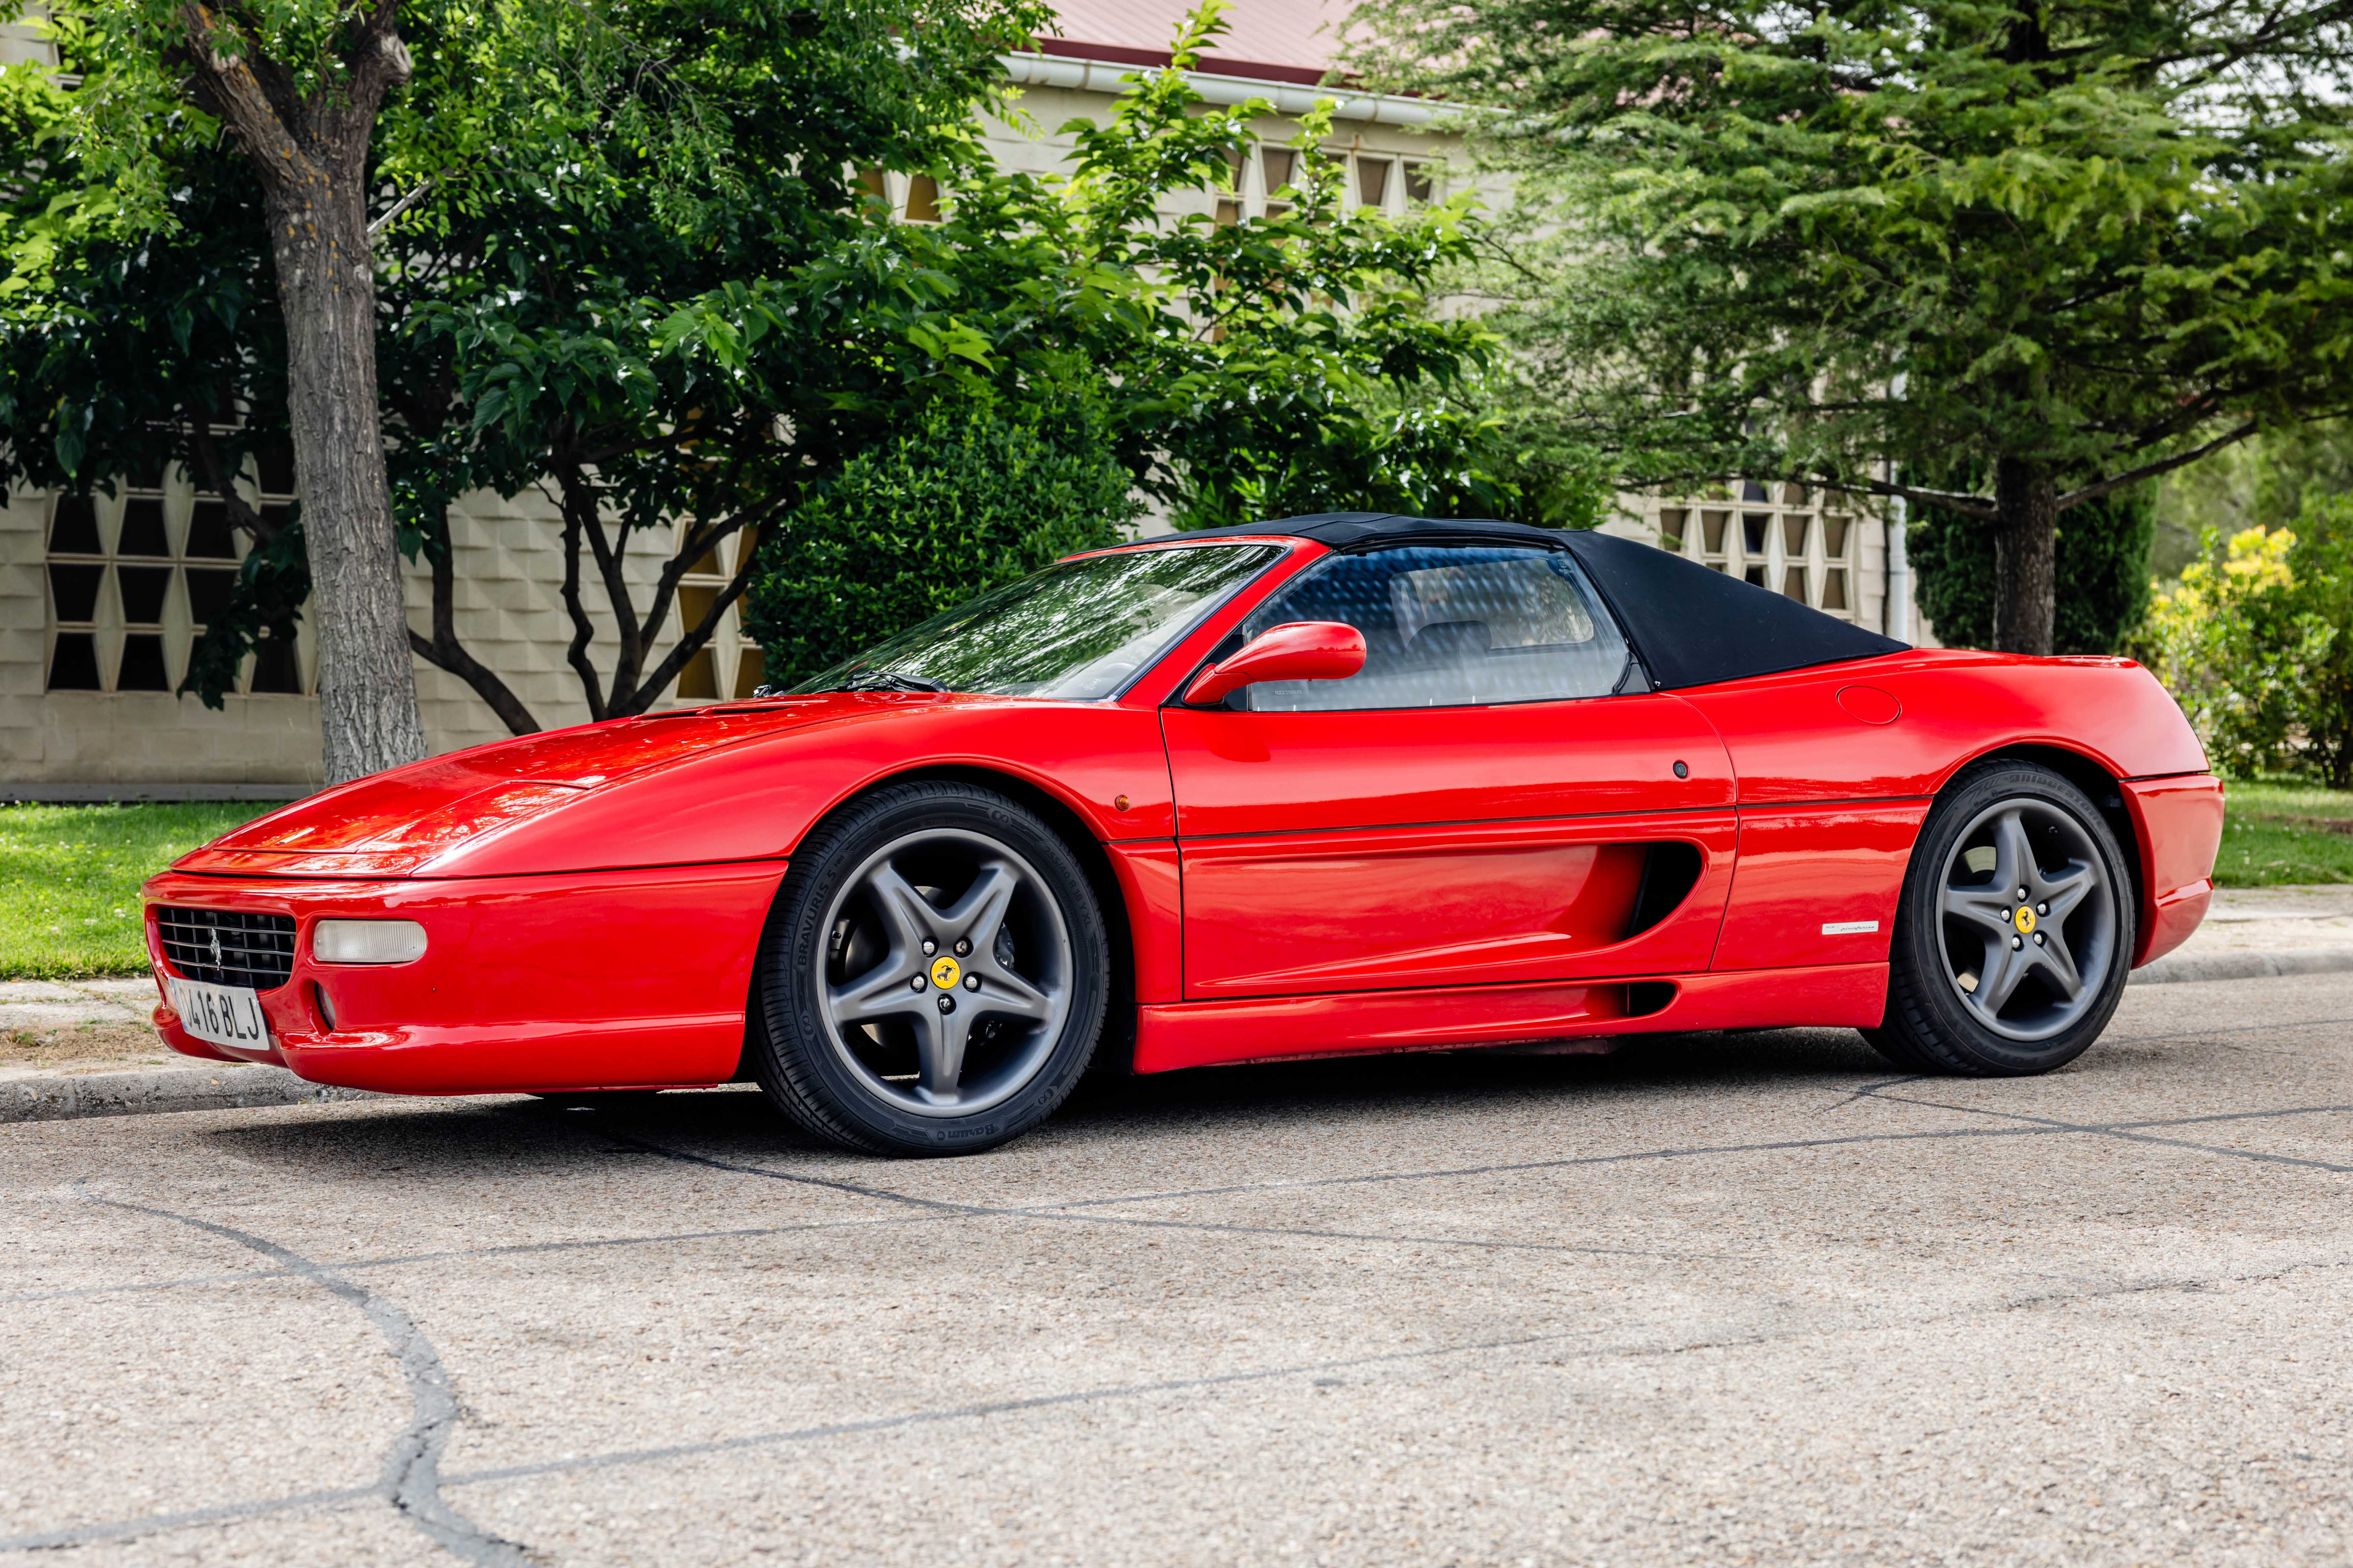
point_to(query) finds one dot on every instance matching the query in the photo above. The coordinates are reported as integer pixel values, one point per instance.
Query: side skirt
(1201, 1034)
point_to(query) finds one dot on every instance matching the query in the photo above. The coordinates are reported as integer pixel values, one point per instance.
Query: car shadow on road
(1380, 1087)
(483, 1139)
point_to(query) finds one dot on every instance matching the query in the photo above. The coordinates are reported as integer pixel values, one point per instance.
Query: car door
(1478, 806)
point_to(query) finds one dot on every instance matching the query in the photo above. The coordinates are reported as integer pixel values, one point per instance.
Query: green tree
(296, 85)
(551, 184)
(1280, 365)
(2100, 568)
(2073, 246)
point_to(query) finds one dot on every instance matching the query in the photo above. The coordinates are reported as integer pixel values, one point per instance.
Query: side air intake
(1670, 871)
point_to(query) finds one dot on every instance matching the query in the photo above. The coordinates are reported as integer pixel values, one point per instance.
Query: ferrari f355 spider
(1331, 784)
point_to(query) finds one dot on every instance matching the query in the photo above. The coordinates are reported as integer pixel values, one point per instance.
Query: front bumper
(592, 980)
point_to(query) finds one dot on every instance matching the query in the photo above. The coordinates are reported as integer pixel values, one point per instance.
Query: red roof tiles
(1275, 40)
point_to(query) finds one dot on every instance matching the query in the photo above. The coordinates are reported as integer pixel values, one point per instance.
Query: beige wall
(510, 614)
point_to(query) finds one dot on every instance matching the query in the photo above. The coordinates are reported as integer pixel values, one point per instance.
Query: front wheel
(2014, 931)
(933, 975)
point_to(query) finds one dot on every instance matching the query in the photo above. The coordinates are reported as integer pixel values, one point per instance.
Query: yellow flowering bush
(2255, 643)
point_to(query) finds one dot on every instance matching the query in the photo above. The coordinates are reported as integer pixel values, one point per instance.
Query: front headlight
(367, 942)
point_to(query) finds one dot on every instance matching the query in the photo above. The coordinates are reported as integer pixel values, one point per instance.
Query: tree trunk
(367, 684)
(310, 156)
(2025, 544)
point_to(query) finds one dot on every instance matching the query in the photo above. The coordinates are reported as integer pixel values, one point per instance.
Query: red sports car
(1332, 784)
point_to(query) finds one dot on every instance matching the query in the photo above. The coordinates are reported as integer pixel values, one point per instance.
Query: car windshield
(1080, 630)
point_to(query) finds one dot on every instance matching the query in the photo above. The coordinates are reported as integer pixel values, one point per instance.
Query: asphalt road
(1717, 1298)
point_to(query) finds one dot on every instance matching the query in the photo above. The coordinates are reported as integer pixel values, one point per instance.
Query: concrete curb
(67, 1096)
(2245, 965)
(228, 1088)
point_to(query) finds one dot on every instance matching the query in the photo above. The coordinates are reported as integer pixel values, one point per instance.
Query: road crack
(411, 1481)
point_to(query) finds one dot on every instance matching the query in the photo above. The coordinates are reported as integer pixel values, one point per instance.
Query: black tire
(1935, 1021)
(849, 1083)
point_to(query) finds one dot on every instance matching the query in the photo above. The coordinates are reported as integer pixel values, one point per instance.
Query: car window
(1449, 628)
(1078, 630)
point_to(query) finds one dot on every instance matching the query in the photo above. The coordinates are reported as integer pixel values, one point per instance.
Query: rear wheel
(2014, 931)
(933, 976)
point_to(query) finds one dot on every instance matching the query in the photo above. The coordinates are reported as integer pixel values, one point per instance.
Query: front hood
(400, 822)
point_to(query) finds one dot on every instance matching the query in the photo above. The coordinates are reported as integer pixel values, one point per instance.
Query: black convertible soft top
(1690, 626)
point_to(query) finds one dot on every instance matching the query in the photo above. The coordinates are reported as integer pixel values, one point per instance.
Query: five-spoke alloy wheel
(935, 974)
(2014, 931)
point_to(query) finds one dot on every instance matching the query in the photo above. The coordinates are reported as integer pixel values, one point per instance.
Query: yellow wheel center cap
(946, 973)
(2024, 920)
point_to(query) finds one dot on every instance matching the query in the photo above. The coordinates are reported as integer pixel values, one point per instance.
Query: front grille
(229, 947)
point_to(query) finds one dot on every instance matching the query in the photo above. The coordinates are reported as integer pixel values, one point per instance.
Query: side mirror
(1302, 650)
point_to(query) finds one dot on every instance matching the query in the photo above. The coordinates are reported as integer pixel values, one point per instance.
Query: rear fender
(2178, 822)
(1810, 736)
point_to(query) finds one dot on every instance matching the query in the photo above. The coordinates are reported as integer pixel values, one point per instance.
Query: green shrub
(1424, 457)
(934, 516)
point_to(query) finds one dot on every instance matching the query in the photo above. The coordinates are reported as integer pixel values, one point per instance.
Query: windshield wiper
(888, 680)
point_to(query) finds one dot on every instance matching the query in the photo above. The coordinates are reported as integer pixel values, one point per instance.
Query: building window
(1255, 180)
(1712, 527)
(1276, 164)
(751, 669)
(1420, 184)
(77, 573)
(1239, 197)
(730, 665)
(1791, 548)
(913, 197)
(135, 581)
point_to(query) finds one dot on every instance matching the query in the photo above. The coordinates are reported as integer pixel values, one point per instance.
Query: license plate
(221, 1015)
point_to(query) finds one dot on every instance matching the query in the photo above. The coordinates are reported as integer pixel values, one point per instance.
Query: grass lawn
(2284, 831)
(69, 874)
(69, 879)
